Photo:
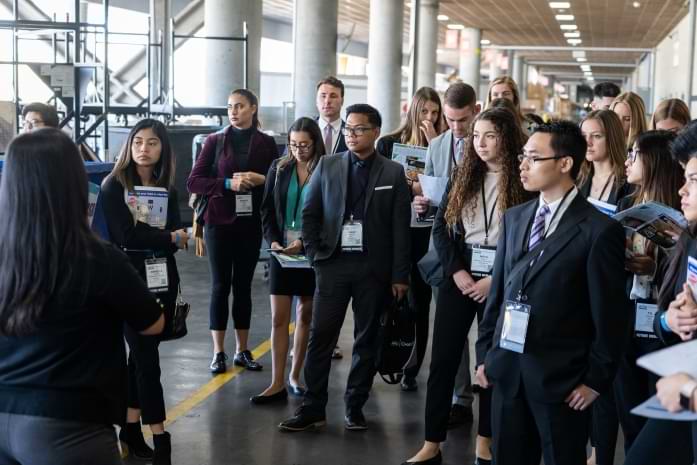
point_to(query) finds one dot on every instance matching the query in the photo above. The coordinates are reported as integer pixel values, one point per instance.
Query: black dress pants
(419, 297)
(341, 280)
(663, 442)
(454, 316)
(526, 430)
(144, 386)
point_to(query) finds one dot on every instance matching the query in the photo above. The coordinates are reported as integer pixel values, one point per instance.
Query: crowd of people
(566, 300)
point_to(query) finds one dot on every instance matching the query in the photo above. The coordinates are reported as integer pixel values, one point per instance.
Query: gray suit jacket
(439, 160)
(386, 220)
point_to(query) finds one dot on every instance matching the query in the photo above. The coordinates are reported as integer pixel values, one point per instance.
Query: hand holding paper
(433, 188)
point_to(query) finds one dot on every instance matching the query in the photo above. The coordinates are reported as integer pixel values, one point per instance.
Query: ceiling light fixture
(443, 17)
(564, 17)
(572, 35)
(578, 53)
(636, 5)
(574, 41)
(581, 59)
(568, 27)
(485, 42)
(559, 5)
(456, 26)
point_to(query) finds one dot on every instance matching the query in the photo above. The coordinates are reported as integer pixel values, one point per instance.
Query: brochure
(652, 408)
(411, 157)
(680, 358)
(604, 207)
(692, 276)
(655, 221)
(433, 188)
(291, 261)
(93, 194)
(148, 205)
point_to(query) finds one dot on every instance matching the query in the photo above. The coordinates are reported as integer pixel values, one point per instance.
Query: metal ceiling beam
(580, 63)
(555, 48)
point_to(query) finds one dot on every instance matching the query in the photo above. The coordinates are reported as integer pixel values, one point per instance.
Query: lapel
(373, 180)
(448, 141)
(523, 226)
(283, 184)
(565, 232)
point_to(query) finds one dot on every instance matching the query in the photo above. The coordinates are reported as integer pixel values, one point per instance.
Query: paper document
(691, 277)
(411, 157)
(148, 205)
(93, 195)
(652, 408)
(292, 261)
(681, 358)
(655, 221)
(433, 188)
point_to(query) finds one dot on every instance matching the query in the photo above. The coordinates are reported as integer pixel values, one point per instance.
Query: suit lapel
(448, 139)
(373, 180)
(521, 244)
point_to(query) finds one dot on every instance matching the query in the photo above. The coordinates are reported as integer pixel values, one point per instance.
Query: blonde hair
(615, 144)
(638, 111)
(514, 89)
(410, 131)
(672, 108)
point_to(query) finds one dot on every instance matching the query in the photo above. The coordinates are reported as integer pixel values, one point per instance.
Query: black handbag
(431, 269)
(175, 325)
(398, 341)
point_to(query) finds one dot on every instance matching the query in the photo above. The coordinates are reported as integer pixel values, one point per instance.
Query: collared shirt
(359, 172)
(336, 129)
(550, 226)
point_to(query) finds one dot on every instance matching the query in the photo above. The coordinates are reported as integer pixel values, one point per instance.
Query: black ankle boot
(163, 449)
(133, 443)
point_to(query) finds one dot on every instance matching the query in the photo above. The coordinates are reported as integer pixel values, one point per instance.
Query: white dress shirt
(551, 226)
(336, 127)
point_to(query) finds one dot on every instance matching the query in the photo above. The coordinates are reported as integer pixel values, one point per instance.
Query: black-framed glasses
(357, 131)
(299, 147)
(632, 155)
(533, 160)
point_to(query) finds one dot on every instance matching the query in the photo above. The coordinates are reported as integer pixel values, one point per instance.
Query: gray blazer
(438, 157)
(386, 219)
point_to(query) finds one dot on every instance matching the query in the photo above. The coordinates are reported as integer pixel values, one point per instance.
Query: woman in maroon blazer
(234, 187)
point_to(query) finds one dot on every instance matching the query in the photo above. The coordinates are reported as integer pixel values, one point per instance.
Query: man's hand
(399, 290)
(276, 246)
(642, 265)
(463, 281)
(421, 204)
(479, 290)
(294, 247)
(480, 377)
(681, 315)
(581, 397)
(668, 391)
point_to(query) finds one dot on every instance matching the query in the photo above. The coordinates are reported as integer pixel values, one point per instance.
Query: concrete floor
(224, 428)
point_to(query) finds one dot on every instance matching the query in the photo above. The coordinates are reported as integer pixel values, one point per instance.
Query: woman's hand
(642, 265)
(428, 130)
(276, 246)
(479, 290)
(294, 247)
(252, 178)
(668, 391)
(463, 281)
(180, 238)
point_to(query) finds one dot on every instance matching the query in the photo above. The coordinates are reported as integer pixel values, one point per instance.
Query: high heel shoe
(273, 398)
(163, 449)
(133, 443)
(435, 460)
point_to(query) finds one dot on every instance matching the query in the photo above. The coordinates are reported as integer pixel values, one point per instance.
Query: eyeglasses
(533, 160)
(300, 147)
(632, 155)
(357, 131)
(32, 123)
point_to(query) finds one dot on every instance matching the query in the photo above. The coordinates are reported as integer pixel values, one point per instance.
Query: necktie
(328, 139)
(459, 149)
(538, 227)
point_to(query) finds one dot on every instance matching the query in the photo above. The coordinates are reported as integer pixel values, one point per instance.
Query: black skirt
(290, 281)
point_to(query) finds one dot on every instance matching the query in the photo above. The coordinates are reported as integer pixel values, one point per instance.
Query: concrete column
(517, 71)
(494, 70)
(524, 88)
(315, 34)
(160, 32)
(225, 60)
(427, 43)
(385, 60)
(471, 56)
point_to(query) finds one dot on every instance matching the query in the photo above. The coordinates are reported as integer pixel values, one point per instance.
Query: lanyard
(607, 183)
(298, 194)
(487, 221)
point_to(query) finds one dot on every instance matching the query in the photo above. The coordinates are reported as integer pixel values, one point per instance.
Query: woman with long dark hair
(465, 233)
(146, 160)
(281, 215)
(232, 176)
(64, 298)
(424, 121)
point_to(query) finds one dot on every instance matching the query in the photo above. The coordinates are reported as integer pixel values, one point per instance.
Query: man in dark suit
(356, 233)
(557, 315)
(330, 99)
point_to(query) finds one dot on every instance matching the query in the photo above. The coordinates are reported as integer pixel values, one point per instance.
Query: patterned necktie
(328, 139)
(538, 227)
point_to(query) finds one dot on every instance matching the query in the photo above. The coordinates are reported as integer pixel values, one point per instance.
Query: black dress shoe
(435, 460)
(280, 396)
(481, 461)
(218, 364)
(133, 443)
(337, 354)
(245, 359)
(296, 391)
(459, 415)
(409, 384)
(355, 421)
(302, 421)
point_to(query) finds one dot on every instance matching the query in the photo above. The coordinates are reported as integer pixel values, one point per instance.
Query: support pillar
(225, 60)
(494, 70)
(471, 56)
(385, 60)
(427, 43)
(517, 71)
(314, 35)
(160, 31)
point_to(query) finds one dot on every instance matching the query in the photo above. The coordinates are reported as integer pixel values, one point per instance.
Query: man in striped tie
(557, 314)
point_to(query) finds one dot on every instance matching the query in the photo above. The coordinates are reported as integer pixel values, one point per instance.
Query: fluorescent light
(579, 54)
(588, 73)
(590, 78)
(586, 68)
(439, 51)
(456, 26)
(636, 4)
(559, 5)
(485, 42)
(581, 59)
(564, 17)
(568, 27)
(574, 41)
(572, 35)
(443, 17)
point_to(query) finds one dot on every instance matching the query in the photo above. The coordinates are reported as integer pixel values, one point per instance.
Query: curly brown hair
(467, 178)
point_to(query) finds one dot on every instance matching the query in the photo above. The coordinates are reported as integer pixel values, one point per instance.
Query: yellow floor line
(212, 386)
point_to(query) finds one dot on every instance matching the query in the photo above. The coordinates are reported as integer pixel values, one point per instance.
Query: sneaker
(218, 364)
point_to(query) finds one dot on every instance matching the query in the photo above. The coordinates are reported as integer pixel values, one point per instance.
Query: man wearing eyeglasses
(557, 316)
(356, 234)
(38, 115)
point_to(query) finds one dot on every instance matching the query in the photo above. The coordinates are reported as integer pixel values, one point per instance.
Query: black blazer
(385, 145)
(273, 207)
(450, 245)
(385, 224)
(618, 192)
(579, 310)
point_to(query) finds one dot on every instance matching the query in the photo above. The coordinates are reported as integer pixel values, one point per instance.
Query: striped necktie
(538, 227)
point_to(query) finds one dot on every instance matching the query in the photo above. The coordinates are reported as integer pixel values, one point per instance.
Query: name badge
(292, 235)
(482, 263)
(243, 204)
(156, 274)
(515, 326)
(607, 208)
(643, 320)
(352, 236)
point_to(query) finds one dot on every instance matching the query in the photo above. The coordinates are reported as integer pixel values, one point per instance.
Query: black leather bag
(175, 324)
(398, 342)
(431, 269)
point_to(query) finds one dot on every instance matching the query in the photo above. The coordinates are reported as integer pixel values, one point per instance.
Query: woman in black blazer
(281, 214)
(146, 159)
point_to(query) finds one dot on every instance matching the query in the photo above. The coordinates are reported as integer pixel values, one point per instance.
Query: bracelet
(228, 184)
(664, 322)
(176, 238)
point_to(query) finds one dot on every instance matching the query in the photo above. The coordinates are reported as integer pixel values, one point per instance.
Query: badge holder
(482, 260)
(243, 204)
(643, 319)
(352, 236)
(156, 274)
(515, 326)
(292, 234)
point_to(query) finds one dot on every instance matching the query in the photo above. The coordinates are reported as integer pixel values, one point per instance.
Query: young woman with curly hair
(465, 233)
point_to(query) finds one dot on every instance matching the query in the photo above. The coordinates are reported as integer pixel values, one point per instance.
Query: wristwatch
(686, 392)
